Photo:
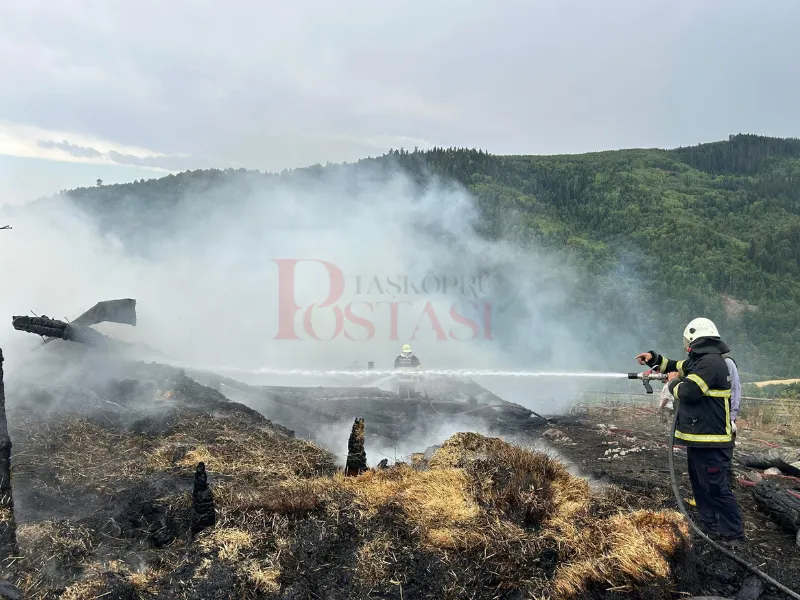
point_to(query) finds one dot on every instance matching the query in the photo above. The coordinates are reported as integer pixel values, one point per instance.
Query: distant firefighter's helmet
(406, 350)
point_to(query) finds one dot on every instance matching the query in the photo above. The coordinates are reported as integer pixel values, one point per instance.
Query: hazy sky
(115, 90)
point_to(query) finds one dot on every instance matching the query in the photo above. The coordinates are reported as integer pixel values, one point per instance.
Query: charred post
(356, 455)
(8, 526)
(204, 513)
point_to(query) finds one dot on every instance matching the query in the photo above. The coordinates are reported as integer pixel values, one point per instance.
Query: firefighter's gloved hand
(733, 427)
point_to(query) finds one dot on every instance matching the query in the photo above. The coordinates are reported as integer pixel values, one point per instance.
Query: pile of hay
(480, 519)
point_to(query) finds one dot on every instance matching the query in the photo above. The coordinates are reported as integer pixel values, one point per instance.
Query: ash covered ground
(106, 450)
(626, 446)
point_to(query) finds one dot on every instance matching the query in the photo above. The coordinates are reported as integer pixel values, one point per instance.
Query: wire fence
(607, 396)
(782, 407)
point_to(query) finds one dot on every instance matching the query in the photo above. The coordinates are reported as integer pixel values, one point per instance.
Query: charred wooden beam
(782, 505)
(43, 325)
(356, 455)
(785, 459)
(111, 311)
(204, 513)
(53, 328)
(8, 526)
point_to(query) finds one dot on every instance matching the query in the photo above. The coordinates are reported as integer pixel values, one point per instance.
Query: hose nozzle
(647, 377)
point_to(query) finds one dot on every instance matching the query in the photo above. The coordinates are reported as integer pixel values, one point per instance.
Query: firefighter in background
(406, 360)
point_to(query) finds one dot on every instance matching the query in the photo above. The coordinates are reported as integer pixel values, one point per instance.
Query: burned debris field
(144, 483)
(313, 303)
(135, 479)
(105, 507)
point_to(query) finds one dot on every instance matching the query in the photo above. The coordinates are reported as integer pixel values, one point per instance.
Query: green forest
(711, 230)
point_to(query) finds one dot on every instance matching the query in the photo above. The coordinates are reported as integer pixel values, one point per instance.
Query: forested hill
(712, 229)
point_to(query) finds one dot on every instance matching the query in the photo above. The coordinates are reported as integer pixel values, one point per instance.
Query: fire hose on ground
(670, 457)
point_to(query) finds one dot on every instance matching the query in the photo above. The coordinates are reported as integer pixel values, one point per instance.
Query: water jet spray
(431, 372)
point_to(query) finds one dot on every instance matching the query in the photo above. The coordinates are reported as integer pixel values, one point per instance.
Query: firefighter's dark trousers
(709, 472)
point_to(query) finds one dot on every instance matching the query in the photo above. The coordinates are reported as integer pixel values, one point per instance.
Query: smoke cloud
(335, 435)
(216, 284)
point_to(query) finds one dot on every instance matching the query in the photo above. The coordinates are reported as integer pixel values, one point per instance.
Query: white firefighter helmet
(406, 349)
(699, 328)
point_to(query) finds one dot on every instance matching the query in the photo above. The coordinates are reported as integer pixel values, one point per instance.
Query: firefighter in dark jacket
(701, 386)
(407, 361)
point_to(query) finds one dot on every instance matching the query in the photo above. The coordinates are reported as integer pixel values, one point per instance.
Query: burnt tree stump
(8, 526)
(204, 513)
(356, 455)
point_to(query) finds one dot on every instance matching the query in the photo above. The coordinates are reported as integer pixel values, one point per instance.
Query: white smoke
(209, 291)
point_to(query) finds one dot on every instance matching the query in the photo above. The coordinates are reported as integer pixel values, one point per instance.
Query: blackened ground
(591, 439)
(103, 462)
(111, 449)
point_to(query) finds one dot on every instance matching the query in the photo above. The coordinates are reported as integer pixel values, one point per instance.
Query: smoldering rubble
(134, 480)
